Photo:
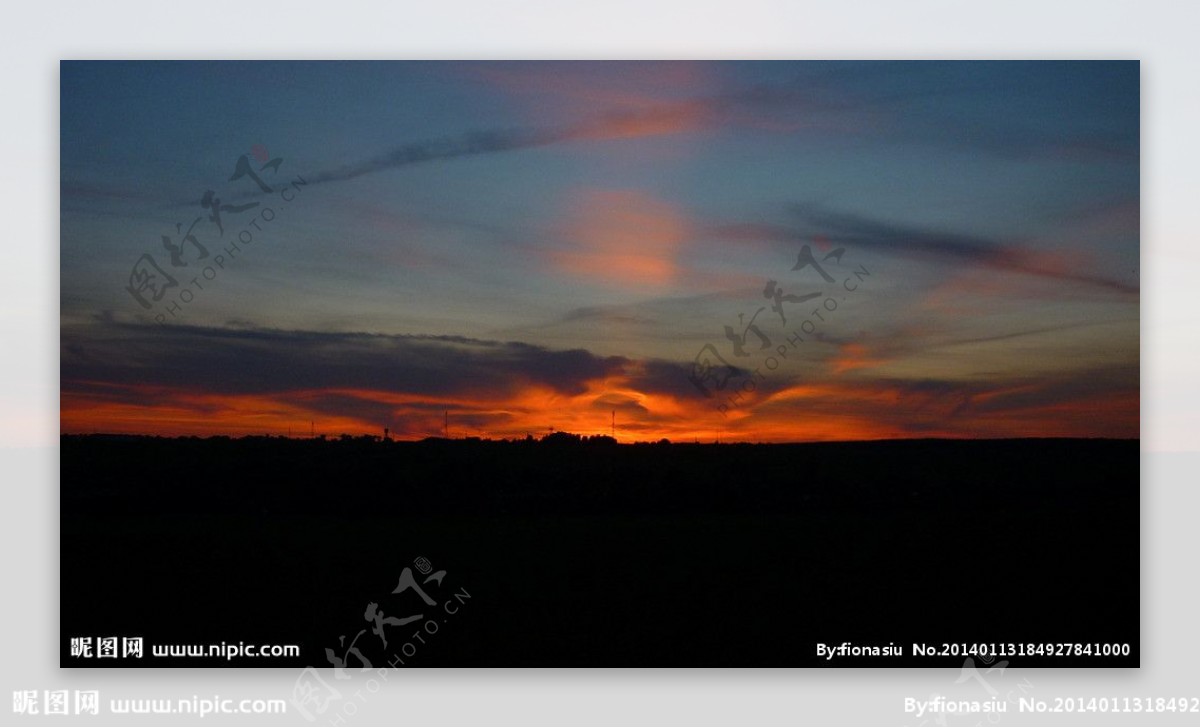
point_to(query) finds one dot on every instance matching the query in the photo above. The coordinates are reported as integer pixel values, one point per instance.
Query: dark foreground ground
(592, 554)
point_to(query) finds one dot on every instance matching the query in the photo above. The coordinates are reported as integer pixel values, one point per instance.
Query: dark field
(594, 554)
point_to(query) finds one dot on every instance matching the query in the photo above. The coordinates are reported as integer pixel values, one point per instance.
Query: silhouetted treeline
(563, 473)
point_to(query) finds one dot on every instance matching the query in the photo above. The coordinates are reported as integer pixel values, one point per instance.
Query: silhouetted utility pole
(614, 424)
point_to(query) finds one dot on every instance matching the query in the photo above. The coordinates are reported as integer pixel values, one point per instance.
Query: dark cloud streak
(942, 247)
(252, 361)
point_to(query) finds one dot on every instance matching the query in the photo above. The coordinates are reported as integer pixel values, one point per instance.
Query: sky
(756, 251)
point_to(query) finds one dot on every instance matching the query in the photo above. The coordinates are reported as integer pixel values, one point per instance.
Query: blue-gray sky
(535, 245)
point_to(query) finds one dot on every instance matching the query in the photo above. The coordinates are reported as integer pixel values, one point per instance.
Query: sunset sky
(529, 246)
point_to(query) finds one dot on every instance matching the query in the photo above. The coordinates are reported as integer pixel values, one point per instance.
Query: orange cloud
(967, 290)
(588, 87)
(821, 411)
(665, 119)
(622, 237)
(273, 382)
(853, 356)
(618, 101)
(639, 99)
(183, 413)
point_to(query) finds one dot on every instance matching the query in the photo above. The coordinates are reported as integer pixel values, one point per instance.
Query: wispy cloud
(664, 119)
(863, 233)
